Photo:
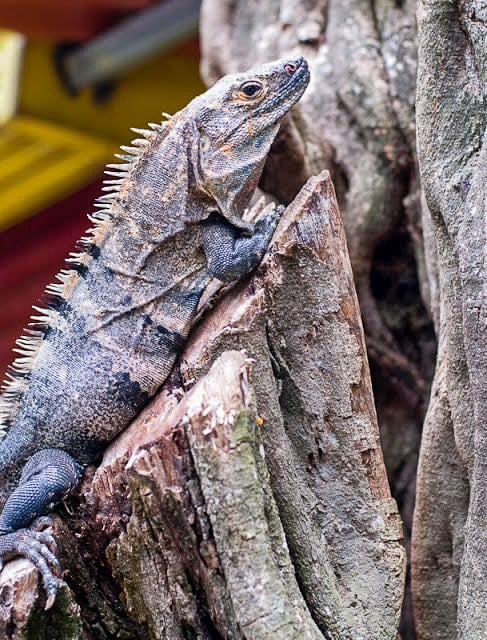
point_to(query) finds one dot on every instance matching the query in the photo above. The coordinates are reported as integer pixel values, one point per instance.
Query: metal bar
(130, 43)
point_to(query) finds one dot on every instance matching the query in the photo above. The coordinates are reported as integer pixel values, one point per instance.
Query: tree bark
(356, 119)
(450, 542)
(249, 500)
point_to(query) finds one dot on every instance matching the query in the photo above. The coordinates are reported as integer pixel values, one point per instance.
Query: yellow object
(41, 162)
(11, 47)
(59, 143)
(165, 83)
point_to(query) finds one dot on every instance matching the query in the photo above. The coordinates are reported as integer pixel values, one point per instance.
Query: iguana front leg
(231, 255)
(48, 477)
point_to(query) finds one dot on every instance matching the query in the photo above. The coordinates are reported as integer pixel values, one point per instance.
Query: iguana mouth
(296, 78)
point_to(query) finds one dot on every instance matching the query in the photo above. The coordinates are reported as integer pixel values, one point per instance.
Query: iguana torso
(170, 221)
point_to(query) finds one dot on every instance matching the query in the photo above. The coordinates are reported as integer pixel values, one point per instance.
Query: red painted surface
(31, 253)
(64, 19)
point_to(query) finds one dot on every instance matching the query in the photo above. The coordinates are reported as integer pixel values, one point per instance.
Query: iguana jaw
(287, 94)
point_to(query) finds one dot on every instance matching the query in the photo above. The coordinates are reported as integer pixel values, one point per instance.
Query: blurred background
(74, 76)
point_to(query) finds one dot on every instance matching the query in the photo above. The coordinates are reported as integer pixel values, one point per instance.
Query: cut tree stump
(249, 499)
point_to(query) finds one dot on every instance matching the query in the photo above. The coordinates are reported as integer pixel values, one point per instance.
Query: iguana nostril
(293, 65)
(290, 67)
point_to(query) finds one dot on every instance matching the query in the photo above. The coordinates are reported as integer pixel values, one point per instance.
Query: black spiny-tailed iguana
(171, 220)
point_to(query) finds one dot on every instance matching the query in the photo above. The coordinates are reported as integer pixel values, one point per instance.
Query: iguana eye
(251, 90)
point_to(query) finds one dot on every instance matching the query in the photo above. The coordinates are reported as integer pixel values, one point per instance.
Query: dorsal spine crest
(28, 345)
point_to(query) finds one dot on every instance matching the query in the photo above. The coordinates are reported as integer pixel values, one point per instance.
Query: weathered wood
(203, 497)
(21, 612)
(250, 498)
(320, 432)
(450, 543)
(357, 120)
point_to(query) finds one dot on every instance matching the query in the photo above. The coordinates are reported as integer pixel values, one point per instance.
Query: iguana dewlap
(170, 221)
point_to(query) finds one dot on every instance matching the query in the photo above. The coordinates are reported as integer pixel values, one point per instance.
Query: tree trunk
(450, 541)
(357, 119)
(253, 501)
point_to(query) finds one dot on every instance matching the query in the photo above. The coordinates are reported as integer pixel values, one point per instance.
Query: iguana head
(236, 121)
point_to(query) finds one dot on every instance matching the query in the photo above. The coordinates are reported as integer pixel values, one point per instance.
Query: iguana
(171, 220)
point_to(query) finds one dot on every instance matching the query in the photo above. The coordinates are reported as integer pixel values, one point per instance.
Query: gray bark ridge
(452, 147)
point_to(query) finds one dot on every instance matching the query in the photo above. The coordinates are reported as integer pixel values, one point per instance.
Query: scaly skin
(172, 220)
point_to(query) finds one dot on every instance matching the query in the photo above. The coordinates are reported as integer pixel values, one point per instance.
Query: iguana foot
(47, 478)
(230, 255)
(37, 546)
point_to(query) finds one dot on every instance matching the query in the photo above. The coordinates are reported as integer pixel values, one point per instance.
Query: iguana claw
(41, 523)
(39, 547)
